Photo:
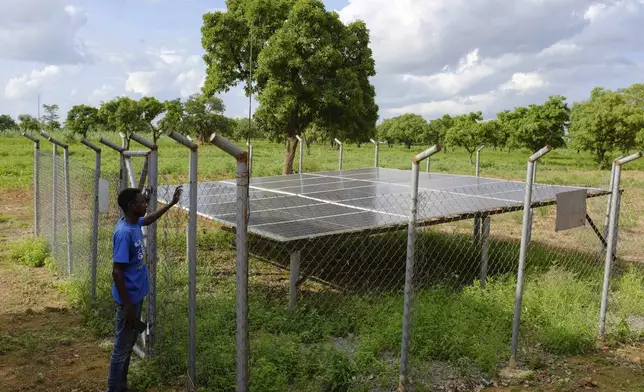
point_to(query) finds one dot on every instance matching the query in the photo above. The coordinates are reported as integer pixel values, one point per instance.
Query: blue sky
(432, 57)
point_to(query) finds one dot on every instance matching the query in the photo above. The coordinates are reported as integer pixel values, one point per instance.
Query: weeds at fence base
(32, 252)
(355, 344)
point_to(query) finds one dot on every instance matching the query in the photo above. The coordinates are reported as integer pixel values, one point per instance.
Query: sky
(432, 57)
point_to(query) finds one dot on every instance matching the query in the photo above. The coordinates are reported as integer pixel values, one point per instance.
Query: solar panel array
(309, 205)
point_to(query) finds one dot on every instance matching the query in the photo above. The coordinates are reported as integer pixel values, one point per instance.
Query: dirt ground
(44, 346)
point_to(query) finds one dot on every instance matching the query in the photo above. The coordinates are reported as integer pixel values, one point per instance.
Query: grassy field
(347, 338)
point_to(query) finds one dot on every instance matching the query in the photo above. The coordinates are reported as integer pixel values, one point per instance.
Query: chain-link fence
(327, 270)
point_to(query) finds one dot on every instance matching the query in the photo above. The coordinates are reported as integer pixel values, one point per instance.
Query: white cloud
(441, 56)
(470, 71)
(190, 82)
(71, 10)
(22, 86)
(42, 31)
(105, 92)
(142, 82)
(524, 81)
(456, 105)
(594, 11)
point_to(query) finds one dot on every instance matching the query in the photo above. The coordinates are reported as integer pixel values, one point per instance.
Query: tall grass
(353, 343)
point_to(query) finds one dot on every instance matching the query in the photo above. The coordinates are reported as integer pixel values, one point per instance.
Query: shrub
(31, 252)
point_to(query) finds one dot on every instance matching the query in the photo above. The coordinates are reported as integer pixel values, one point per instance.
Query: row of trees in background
(608, 122)
(198, 116)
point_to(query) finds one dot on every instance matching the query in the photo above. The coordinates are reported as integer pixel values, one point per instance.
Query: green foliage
(242, 131)
(151, 108)
(82, 119)
(545, 124)
(204, 115)
(468, 132)
(407, 129)
(308, 68)
(173, 119)
(50, 117)
(607, 122)
(28, 123)
(438, 128)
(7, 123)
(122, 114)
(31, 252)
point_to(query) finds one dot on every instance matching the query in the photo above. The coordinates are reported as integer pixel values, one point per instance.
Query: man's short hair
(126, 197)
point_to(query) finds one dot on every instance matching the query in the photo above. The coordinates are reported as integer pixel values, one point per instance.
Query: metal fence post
(191, 241)
(611, 242)
(340, 159)
(151, 235)
(608, 202)
(525, 234)
(478, 159)
(241, 301)
(375, 161)
(477, 217)
(36, 182)
(97, 176)
(409, 267)
(123, 171)
(250, 159)
(54, 201)
(68, 206)
(300, 140)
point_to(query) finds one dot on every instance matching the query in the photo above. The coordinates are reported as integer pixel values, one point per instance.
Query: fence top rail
(228, 146)
(91, 145)
(480, 148)
(299, 139)
(629, 158)
(136, 153)
(143, 141)
(111, 145)
(337, 141)
(52, 140)
(537, 155)
(426, 154)
(33, 139)
(186, 141)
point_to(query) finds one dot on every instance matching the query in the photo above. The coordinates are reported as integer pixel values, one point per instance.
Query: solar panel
(294, 207)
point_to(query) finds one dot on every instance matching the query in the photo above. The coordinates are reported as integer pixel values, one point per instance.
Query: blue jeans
(123, 345)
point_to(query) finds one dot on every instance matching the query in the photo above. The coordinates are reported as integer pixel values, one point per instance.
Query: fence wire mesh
(327, 274)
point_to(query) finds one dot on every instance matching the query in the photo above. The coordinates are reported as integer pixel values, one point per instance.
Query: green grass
(31, 252)
(560, 166)
(350, 341)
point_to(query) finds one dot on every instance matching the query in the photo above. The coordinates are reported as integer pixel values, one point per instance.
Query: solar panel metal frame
(277, 185)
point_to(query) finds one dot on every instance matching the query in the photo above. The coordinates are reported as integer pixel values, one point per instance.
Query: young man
(130, 278)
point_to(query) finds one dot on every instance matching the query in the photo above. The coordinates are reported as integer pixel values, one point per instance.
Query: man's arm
(118, 275)
(121, 258)
(154, 216)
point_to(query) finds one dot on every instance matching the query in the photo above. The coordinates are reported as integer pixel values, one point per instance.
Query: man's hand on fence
(177, 195)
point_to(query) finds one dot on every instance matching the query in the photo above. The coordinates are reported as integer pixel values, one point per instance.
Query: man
(130, 278)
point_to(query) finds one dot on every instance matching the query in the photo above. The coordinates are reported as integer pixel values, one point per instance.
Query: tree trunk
(291, 146)
(600, 156)
(408, 144)
(471, 153)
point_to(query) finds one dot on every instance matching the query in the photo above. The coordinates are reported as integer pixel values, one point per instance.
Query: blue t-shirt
(127, 245)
